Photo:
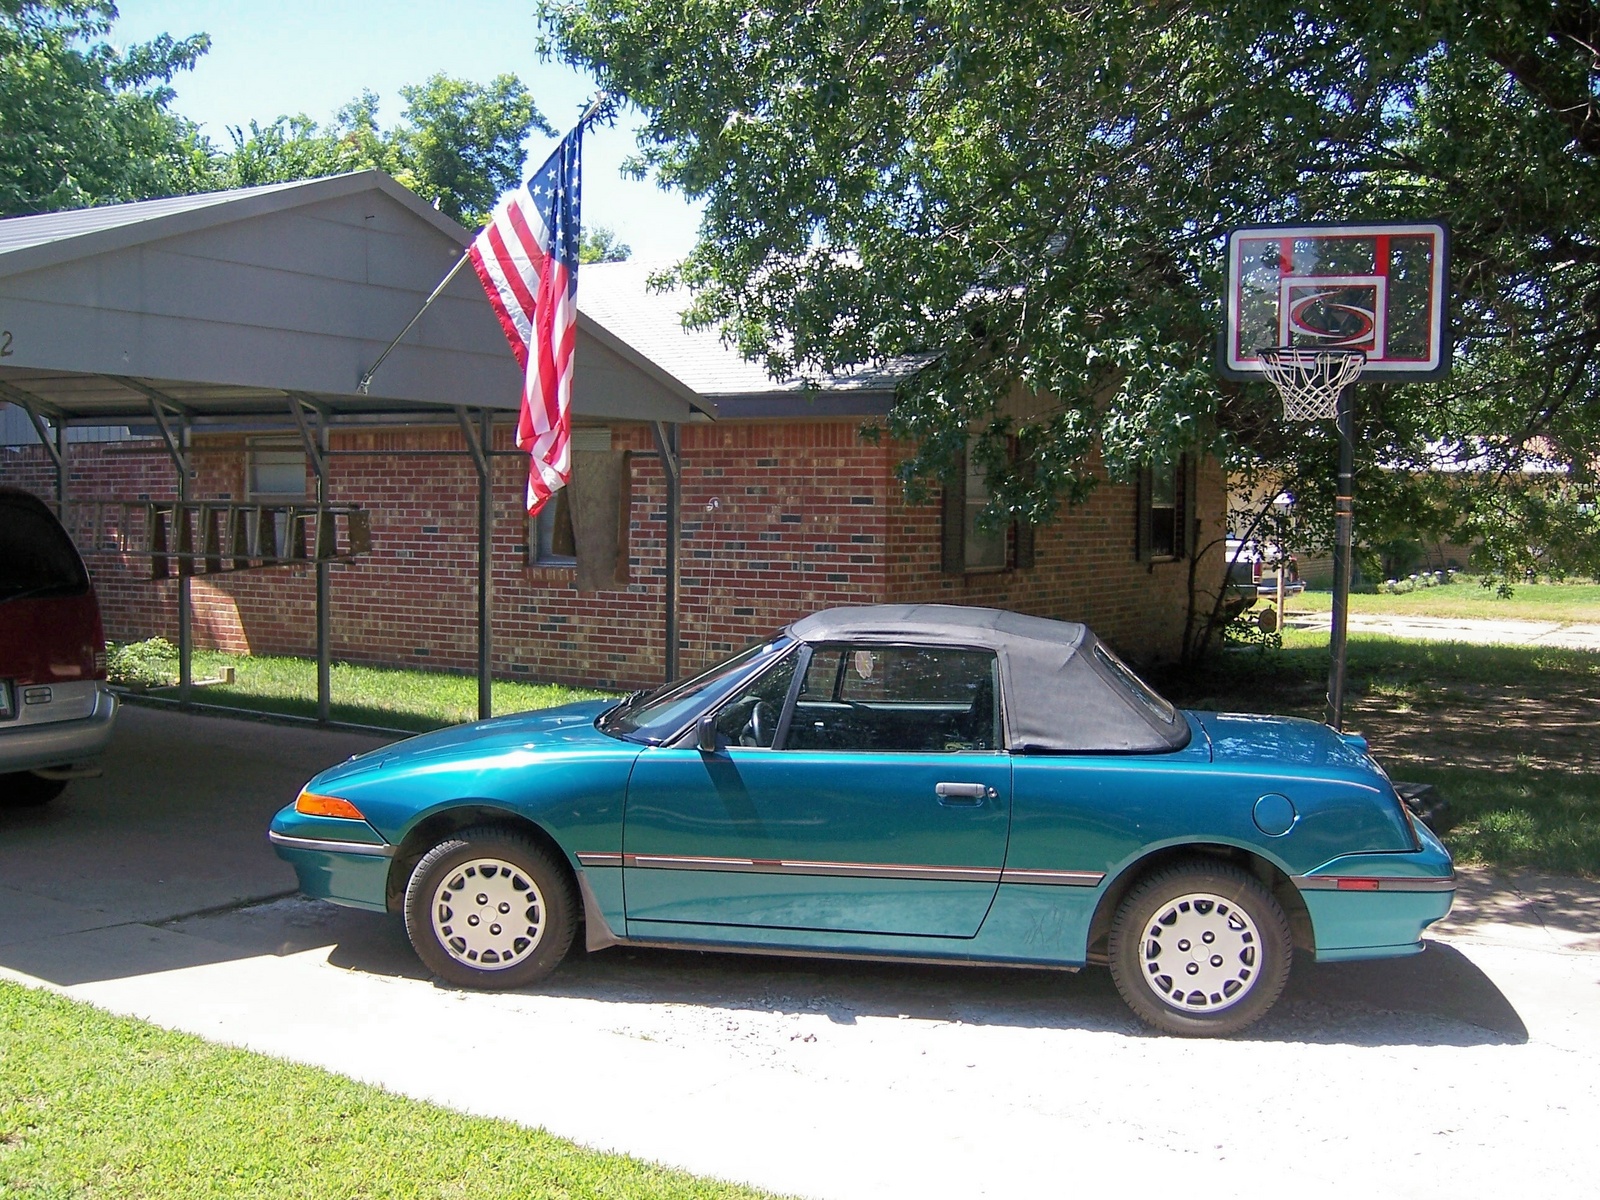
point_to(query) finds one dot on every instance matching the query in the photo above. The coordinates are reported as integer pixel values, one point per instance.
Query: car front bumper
(343, 861)
(29, 747)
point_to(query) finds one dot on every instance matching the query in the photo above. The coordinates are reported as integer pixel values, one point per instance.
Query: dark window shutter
(1022, 531)
(1024, 546)
(1141, 535)
(953, 557)
(1186, 506)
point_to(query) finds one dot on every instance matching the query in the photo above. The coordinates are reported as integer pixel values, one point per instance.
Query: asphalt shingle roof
(618, 297)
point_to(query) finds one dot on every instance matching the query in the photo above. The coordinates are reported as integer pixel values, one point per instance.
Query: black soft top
(1064, 691)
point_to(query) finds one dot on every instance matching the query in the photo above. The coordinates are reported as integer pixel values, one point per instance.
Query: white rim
(488, 914)
(1201, 953)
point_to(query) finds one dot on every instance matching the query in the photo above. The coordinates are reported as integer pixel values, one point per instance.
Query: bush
(150, 663)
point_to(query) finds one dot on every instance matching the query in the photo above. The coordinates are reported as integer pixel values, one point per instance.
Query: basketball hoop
(1310, 379)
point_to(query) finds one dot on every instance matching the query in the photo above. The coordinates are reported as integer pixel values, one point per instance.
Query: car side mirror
(705, 733)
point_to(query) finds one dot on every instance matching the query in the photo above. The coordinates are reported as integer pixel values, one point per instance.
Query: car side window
(897, 698)
(750, 718)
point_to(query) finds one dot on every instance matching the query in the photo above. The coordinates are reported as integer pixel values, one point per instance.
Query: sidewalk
(1461, 629)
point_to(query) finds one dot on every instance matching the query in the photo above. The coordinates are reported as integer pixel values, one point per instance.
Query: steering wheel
(761, 727)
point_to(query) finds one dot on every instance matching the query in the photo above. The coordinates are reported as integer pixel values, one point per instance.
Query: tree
(83, 123)
(1035, 193)
(458, 144)
(601, 245)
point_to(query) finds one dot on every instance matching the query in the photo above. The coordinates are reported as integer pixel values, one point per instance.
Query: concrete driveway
(1465, 1071)
(1569, 635)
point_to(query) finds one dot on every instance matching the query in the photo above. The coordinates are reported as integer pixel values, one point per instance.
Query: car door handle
(963, 794)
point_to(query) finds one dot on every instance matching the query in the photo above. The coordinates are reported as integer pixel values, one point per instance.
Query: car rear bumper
(28, 747)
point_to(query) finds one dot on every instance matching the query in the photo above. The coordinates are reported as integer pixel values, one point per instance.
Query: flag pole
(366, 376)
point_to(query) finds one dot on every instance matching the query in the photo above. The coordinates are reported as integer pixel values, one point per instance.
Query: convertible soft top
(1064, 691)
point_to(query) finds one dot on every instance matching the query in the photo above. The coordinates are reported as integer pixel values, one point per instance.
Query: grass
(93, 1105)
(393, 698)
(1569, 602)
(1510, 735)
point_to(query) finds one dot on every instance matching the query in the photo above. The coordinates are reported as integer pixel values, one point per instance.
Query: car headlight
(313, 805)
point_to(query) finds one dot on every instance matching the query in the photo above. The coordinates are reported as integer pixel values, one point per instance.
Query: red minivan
(56, 711)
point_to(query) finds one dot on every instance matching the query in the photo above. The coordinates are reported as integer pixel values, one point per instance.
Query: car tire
(27, 790)
(490, 909)
(1200, 949)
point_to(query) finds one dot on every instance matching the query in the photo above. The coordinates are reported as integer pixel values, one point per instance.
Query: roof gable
(45, 239)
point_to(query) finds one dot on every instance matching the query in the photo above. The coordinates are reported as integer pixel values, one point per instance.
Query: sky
(271, 58)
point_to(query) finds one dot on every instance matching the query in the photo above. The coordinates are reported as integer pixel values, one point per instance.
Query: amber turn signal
(313, 805)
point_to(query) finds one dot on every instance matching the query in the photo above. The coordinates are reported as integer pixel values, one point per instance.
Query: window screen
(277, 472)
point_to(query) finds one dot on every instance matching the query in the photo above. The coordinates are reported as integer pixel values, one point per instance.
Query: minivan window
(36, 557)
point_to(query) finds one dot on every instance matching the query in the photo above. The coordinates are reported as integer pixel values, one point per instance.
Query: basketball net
(1309, 379)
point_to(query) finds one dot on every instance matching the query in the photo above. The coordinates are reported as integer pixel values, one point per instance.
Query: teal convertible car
(917, 782)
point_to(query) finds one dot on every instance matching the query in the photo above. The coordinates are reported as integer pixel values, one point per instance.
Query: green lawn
(1508, 734)
(93, 1105)
(1576, 602)
(391, 698)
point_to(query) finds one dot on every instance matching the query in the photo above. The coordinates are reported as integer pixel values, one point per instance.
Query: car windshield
(653, 717)
(36, 559)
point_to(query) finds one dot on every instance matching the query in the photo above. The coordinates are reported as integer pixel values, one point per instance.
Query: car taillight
(1255, 571)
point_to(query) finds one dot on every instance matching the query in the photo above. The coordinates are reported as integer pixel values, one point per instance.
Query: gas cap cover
(1274, 814)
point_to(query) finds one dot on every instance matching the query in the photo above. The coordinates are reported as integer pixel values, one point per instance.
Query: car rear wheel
(489, 908)
(27, 790)
(1200, 949)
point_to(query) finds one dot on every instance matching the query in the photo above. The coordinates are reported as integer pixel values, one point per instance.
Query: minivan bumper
(59, 743)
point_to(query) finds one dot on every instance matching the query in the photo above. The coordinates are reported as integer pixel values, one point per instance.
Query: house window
(1165, 502)
(970, 545)
(553, 543)
(275, 473)
(586, 524)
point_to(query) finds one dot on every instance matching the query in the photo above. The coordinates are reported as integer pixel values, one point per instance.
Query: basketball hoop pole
(1343, 524)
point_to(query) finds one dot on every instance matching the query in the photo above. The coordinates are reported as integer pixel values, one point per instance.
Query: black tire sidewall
(552, 880)
(24, 789)
(1226, 882)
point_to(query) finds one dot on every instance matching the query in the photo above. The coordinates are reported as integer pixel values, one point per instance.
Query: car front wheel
(1200, 949)
(489, 908)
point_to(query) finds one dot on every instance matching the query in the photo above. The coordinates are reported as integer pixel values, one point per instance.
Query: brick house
(784, 508)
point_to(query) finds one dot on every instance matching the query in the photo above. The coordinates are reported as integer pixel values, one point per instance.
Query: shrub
(150, 663)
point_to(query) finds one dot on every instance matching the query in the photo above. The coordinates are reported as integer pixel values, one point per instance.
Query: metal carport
(261, 308)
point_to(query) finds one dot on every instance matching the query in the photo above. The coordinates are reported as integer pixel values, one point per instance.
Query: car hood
(566, 727)
(1250, 737)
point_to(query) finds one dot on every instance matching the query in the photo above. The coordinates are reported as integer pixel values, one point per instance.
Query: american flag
(527, 259)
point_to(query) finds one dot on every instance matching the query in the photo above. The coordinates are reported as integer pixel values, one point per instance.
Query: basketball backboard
(1378, 287)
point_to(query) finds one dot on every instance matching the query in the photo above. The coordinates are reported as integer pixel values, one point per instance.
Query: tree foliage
(82, 122)
(602, 245)
(458, 144)
(1034, 193)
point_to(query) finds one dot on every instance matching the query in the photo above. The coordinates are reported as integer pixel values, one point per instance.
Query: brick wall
(779, 519)
(1085, 569)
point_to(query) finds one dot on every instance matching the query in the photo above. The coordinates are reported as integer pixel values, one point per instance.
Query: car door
(856, 789)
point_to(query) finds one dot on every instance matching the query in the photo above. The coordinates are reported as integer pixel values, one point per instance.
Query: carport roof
(229, 301)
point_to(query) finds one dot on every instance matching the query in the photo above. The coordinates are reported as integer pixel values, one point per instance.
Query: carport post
(480, 442)
(667, 447)
(52, 437)
(317, 452)
(178, 448)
